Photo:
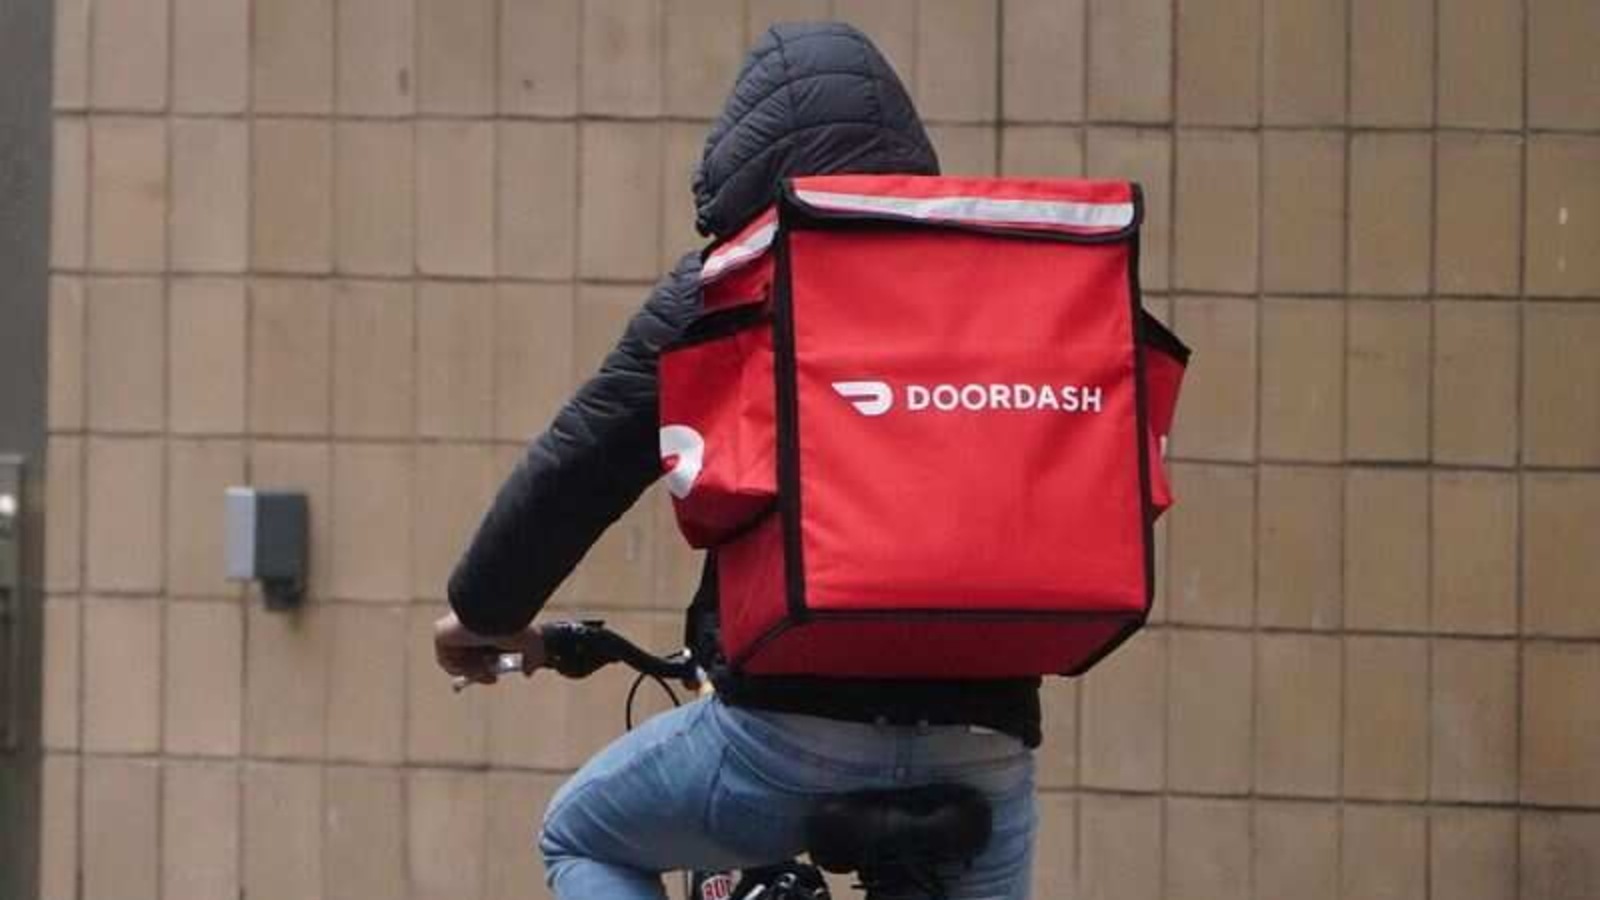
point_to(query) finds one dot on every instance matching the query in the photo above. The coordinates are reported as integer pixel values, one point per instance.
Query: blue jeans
(714, 787)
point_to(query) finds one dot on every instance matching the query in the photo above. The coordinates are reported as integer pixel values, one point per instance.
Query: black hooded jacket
(809, 100)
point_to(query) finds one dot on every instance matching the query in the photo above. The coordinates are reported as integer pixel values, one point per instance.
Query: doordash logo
(874, 398)
(683, 455)
(870, 398)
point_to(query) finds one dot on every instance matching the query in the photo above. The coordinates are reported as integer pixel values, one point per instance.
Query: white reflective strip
(734, 254)
(988, 210)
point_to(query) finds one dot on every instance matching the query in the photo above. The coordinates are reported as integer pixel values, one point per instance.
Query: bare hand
(466, 654)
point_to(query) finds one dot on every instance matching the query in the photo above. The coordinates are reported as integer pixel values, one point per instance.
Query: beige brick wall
(364, 247)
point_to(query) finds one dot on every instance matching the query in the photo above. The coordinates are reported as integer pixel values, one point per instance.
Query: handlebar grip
(569, 648)
(579, 649)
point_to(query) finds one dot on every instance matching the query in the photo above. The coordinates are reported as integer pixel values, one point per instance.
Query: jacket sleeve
(577, 477)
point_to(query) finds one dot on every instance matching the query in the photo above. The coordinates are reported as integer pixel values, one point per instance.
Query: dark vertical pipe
(26, 46)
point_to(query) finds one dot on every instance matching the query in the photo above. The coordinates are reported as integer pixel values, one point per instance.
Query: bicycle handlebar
(579, 649)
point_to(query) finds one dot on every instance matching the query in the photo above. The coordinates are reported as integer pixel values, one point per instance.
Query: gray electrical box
(267, 540)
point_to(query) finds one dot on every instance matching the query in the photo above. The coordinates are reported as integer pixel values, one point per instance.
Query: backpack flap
(738, 270)
(717, 431)
(1165, 360)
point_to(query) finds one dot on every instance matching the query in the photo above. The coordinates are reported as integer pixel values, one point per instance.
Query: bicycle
(895, 841)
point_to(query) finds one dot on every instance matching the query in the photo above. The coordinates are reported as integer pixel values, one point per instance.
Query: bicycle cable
(633, 693)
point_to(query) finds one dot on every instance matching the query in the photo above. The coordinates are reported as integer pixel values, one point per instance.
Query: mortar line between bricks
(427, 767)
(660, 120)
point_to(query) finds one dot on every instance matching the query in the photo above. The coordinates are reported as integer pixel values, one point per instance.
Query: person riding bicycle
(726, 782)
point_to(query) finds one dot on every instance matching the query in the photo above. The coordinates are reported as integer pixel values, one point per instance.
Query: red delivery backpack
(921, 421)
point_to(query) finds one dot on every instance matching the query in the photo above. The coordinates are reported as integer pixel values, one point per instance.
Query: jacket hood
(812, 99)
